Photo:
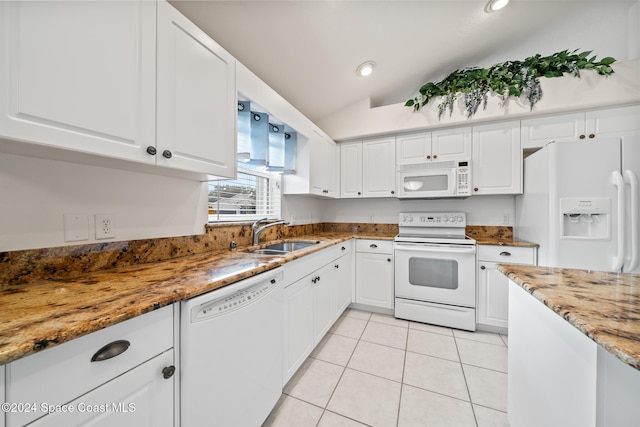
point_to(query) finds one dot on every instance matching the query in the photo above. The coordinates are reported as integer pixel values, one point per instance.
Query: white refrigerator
(580, 204)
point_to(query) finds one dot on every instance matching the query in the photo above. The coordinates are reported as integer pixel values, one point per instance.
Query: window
(251, 196)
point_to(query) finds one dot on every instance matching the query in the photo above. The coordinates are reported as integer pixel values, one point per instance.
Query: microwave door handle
(438, 249)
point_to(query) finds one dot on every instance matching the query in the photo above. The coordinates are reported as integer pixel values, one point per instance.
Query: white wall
(481, 210)
(36, 193)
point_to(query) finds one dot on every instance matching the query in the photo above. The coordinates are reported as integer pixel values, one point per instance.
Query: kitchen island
(574, 347)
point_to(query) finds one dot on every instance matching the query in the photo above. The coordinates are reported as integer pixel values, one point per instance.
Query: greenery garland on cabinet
(510, 78)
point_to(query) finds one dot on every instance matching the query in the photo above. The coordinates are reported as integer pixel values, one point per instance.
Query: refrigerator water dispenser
(585, 218)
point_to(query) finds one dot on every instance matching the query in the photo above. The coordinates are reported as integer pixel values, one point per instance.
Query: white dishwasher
(231, 353)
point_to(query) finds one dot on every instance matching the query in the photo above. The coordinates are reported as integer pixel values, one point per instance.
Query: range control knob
(445, 219)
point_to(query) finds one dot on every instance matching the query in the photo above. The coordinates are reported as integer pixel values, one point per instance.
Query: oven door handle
(438, 249)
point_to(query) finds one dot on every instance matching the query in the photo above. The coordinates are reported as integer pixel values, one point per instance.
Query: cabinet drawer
(61, 374)
(507, 254)
(374, 246)
(297, 269)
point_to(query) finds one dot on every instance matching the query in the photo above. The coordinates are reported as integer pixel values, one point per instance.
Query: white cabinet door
(322, 167)
(79, 76)
(493, 295)
(451, 144)
(298, 322)
(342, 284)
(351, 170)
(140, 398)
(196, 98)
(497, 159)
(413, 149)
(322, 282)
(613, 122)
(536, 133)
(374, 279)
(379, 168)
(3, 399)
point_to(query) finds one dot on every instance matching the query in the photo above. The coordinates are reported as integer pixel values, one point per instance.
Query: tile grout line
(466, 383)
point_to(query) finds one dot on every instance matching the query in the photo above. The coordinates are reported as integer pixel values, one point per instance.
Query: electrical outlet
(506, 219)
(105, 226)
(76, 227)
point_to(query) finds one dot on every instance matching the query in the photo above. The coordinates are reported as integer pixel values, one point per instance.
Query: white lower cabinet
(493, 287)
(374, 273)
(314, 302)
(122, 375)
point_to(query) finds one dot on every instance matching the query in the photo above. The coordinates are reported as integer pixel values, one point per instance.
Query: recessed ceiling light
(494, 5)
(365, 69)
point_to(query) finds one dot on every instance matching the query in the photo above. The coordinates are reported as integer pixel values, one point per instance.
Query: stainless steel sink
(283, 247)
(289, 246)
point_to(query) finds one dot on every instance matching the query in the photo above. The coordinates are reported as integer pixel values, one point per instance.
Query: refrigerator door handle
(618, 181)
(632, 180)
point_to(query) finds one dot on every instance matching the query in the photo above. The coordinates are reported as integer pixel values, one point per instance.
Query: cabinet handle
(388, 259)
(110, 350)
(167, 154)
(581, 137)
(482, 267)
(359, 193)
(151, 150)
(428, 157)
(337, 266)
(591, 135)
(273, 281)
(505, 253)
(168, 371)
(475, 188)
(373, 245)
(344, 249)
(393, 192)
(435, 156)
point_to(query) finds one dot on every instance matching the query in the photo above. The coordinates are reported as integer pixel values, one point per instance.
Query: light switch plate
(76, 227)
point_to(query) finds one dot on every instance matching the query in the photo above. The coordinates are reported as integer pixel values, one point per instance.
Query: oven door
(438, 273)
(427, 183)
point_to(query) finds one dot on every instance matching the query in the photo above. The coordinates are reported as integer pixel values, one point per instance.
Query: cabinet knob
(591, 135)
(393, 192)
(505, 253)
(168, 371)
(151, 150)
(388, 259)
(435, 156)
(482, 267)
(110, 350)
(475, 188)
(359, 193)
(273, 281)
(344, 249)
(428, 157)
(167, 154)
(582, 137)
(337, 266)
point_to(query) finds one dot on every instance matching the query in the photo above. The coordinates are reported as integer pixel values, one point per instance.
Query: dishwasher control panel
(236, 300)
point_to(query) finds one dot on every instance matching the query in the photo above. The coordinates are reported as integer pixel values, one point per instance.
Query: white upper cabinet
(611, 122)
(351, 169)
(196, 98)
(442, 145)
(79, 76)
(132, 80)
(451, 144)
(497, 159)
(368, 168)
(323, 167)
(413, 149)
(379, 167)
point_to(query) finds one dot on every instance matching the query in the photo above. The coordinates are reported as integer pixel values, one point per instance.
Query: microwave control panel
(463, 179)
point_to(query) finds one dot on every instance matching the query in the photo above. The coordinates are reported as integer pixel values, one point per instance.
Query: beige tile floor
(375, 370)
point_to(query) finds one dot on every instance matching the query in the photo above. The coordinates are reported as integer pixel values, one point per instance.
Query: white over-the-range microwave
(434, 180)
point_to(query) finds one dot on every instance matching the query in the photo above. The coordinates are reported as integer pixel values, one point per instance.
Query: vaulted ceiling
(308, 51)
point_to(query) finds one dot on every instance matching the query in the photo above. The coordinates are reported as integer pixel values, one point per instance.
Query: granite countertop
(604, 306)
(46, 312)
